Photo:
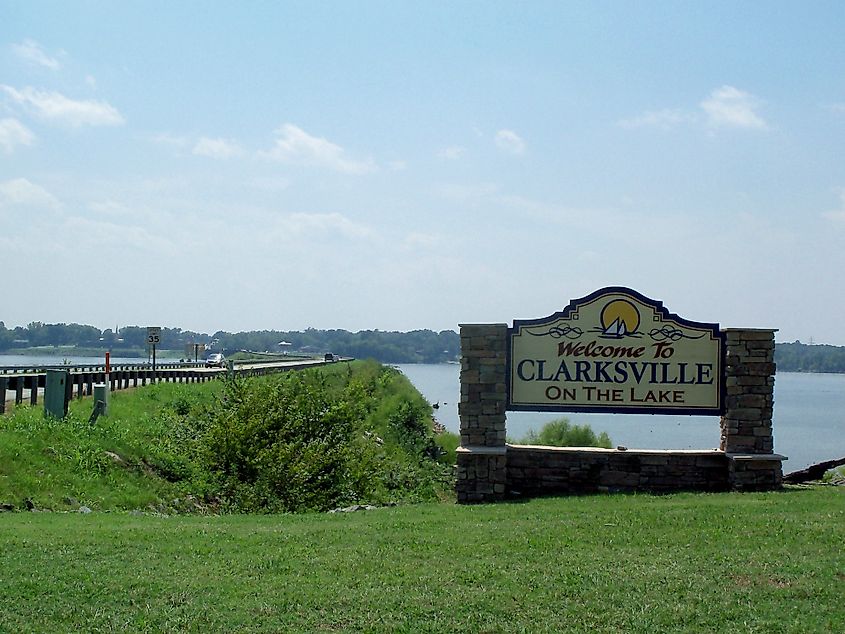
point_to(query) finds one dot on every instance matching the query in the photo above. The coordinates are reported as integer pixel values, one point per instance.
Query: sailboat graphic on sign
(619, 318)
(616, 329)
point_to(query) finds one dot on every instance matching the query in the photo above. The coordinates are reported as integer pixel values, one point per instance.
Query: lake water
(808, 425)
(8, 360)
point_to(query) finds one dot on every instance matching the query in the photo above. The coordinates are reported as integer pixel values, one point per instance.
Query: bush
(448, 442)
(561, 433)
(313, 441)
(282, 445)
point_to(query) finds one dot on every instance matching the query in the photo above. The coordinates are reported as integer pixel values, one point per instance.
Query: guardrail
(81, 379)
(98, 367)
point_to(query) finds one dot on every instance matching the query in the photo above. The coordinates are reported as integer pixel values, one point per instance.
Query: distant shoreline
(72, 351)
(789, 357)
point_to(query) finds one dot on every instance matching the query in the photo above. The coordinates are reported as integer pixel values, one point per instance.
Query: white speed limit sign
(153, 335)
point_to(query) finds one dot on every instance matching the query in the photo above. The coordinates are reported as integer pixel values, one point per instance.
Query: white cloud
(294, 145)
(730, 107)
(217, 148)
(837, 107)
(270, 184)
(13, 133)
(112, 208)
(452, 153)
(55, 106)
(98, 232)
(467, 193)
(171, 140)
(725, 107)
(837, 215)
(664, 119)
(302, 223)
(20, 192)
(510, 141)
(30, 51)
(416, 240)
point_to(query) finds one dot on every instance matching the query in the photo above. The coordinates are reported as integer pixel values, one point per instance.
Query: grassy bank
(698, 563)
(345, 434)
(119, 463)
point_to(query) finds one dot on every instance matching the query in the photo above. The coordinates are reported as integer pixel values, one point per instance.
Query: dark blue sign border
(714, 329)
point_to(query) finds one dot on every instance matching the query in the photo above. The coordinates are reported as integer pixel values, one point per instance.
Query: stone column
(482, 456)
(747, 422)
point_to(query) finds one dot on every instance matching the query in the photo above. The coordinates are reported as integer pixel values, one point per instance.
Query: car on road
(215, 360)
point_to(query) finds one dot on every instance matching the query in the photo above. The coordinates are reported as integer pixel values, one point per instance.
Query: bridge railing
(81, 379)
(98, 367)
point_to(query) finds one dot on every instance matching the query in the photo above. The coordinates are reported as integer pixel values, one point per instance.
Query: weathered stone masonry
(489, 469)
(746, 424)
(482, 457)
(534, 471)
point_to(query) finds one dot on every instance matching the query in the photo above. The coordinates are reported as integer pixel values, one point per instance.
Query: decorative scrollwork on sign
(671, 334)
(570, 332)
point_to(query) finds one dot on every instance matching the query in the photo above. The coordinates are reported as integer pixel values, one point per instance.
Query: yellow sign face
(616, 351)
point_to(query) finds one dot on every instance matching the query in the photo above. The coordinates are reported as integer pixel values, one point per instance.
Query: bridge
(19, 383)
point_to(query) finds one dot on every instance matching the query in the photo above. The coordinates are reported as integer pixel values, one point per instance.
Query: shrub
(312, 441)
(287, 441)
(448, 442)
(562, 433)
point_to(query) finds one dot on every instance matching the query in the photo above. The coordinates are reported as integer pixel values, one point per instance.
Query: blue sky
(401, 165)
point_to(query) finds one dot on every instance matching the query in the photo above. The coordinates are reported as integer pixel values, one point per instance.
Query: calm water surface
(7, 360)
(809, 417)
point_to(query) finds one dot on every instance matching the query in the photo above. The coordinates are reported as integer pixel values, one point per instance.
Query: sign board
(192, 349)
(616, 350)
(153, 335)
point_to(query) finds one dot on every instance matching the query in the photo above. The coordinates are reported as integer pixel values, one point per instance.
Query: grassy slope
(61, 465)
(701, 563)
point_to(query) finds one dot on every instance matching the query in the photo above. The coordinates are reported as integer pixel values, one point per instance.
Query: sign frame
(570, 312)
(153, 335)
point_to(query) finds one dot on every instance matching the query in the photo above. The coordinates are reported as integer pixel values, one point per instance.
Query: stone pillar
(482, 456)
(749, 400)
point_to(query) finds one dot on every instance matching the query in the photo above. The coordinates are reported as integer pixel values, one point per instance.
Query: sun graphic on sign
(619, 318)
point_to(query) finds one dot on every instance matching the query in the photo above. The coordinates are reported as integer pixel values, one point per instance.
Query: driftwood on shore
(813, 472)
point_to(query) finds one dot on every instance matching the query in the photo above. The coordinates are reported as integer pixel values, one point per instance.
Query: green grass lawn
(770, 562)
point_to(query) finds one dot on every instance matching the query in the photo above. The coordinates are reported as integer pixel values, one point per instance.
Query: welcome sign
(616, 351)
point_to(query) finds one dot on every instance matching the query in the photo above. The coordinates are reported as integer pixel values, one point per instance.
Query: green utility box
(55, 393)
(101, 395)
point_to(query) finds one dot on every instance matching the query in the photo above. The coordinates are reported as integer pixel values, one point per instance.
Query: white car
(215, 360)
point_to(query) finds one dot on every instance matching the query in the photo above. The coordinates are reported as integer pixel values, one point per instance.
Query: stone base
(482, 474)
(536, 471)
(755, 472)
(489, 474)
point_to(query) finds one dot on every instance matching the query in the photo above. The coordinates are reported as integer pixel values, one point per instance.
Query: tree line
(801, 357)
(417, 346)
